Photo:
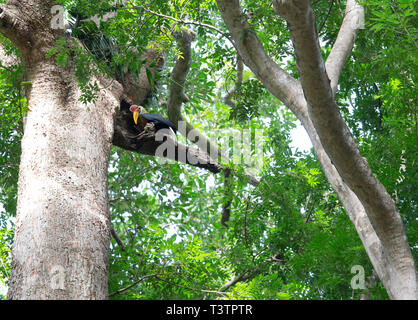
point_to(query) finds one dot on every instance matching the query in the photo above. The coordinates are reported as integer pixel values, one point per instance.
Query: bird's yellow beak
(136, 116)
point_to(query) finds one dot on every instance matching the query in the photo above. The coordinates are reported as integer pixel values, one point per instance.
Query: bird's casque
(144, 117)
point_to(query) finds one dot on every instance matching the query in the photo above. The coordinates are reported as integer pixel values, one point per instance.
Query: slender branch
(9, 69)
(307, 201)
(114, 199)
(247, 274)
(5, 165)
(156, 275)
(308, 216)
(246, 223)
(398, 17)
(147, 143)
(326, 17)
(189, 288)
(117, 238)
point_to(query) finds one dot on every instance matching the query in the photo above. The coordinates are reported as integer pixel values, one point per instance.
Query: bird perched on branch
(139, 113)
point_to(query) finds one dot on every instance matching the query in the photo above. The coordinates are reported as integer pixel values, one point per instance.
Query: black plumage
(158, 121)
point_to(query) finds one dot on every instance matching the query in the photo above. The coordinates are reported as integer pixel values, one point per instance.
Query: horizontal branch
(177, 95)
(126, 137)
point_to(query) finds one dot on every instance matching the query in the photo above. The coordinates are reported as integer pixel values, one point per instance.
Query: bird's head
(137, 111)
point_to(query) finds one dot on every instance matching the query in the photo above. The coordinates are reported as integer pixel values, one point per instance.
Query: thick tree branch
(23, 28)
(137, 89)
(228, 196)
(12, 26)
(178, 76)
(117, 238)
(274, 78)
(354, 208)
(344, 43)
(126, 135)
(127, 138)
(395, 253)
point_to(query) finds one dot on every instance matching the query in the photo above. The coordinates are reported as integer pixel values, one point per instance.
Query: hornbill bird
(144, 117)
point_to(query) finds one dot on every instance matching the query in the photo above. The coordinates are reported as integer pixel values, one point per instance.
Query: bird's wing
(159, 121)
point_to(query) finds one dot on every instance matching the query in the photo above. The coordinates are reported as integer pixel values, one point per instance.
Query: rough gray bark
(61, 244)
(369, 206)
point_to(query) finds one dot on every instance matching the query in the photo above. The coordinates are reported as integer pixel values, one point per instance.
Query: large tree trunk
(61, 244)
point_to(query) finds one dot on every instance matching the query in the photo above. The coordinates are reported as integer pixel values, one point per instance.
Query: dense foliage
(288, 238)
